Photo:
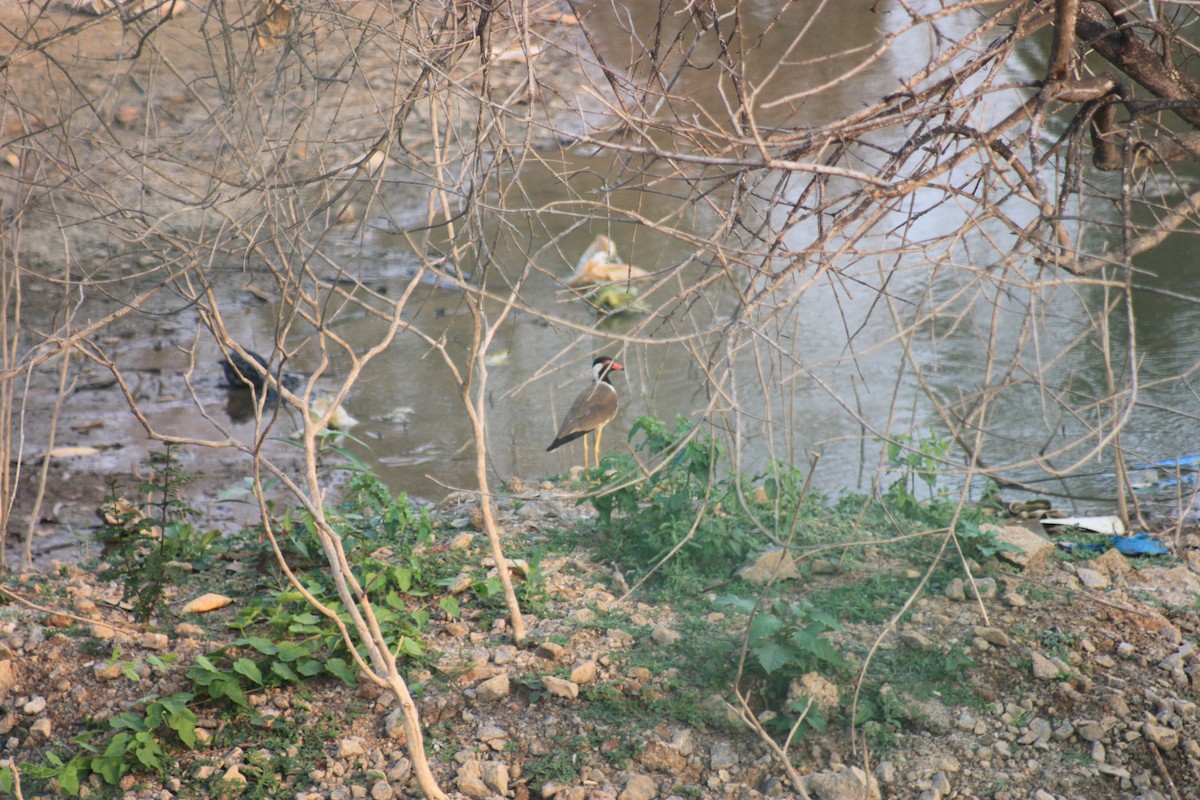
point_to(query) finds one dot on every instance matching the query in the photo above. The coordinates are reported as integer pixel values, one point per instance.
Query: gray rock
(1091, 579)
(987, 588)
(40, 730)
(639, 787)
(1039, 731)
(665, 637)
(994, 636)
(722, 756)
(1014, 600)
(351, 746)
(1090, 730)
(469, 781)
(393, 724)
(382, 790)
(931, 714)
(495, 776)
(153, 641)
(773, 564)
(1032, 551)
(1044, 669)
(399, 771)
(1176, 586)
(1166, 738)
(490, 733)
(955, 590)
(560, 687)
(584, 673)
(493, 689)
(35, 706)
(849, 784)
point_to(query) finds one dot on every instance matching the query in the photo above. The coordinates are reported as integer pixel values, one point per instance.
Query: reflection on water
(835, 344)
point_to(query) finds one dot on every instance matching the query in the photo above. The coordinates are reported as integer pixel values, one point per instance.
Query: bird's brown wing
(592, 409)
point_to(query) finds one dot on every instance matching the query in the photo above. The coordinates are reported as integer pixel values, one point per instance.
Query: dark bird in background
(241, 373)
(591, 411)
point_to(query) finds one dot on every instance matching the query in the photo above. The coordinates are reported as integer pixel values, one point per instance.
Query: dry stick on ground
(11, 764)
(45, 610)
(1162, 769)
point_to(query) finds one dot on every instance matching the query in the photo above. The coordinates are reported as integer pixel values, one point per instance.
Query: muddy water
(842, 397)
(834, 404)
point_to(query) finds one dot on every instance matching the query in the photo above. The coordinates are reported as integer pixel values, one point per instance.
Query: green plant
(788, 637)
(562, 766)
(874, 598)
(916, 459)
(152, 544)
(785, 641)
(683, 508)
(138, 743)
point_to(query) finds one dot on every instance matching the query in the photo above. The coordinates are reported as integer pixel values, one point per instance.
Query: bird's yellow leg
(585, 453)
(599, 433)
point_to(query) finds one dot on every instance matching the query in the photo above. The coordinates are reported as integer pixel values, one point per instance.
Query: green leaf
(244, 666)
(127, 719)
(111, 766)
(411, 647)
(403, 577)
(203, 663)
(772, 656)
(451, 606)
(819, 647)
(339, 667)
(290, 651)
(180, 718)
(148, 753)
(71, 777)
(284, 671)
(764, 626)
(259, 643)
(743, 604)
(310, 667)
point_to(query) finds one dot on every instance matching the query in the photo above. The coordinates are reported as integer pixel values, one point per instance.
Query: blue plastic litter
(1166, 474)
(1142, 544)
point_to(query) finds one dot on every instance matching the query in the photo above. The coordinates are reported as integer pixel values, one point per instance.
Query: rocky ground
(1081, 683)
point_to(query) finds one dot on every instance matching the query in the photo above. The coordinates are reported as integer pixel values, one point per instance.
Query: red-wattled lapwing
(591, 411)
(601, 263)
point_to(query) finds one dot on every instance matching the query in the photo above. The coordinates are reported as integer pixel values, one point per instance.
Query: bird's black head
(603, 365)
